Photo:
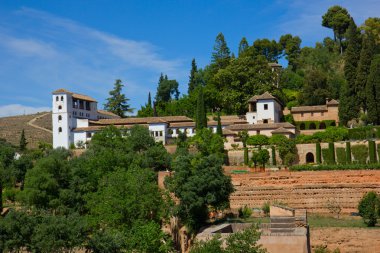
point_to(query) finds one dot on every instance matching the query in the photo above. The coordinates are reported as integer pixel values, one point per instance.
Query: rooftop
(75, 95)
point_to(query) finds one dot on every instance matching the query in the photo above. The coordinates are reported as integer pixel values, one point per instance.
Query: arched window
(60, 107)
(302, 126)
(59, 129)
(56, 98)
(61, 98)
(322, 125)
(312, 126)
(59, 117)
(309, 158)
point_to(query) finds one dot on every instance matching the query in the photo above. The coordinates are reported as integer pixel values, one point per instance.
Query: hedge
(363, 133)
(318, 153)
(317, 124)
(246, 159)
(326, 156)
(274, 156)
(378, 151)
(348, 152)
(332, 152)
(341, 155)
(360, 153)
(372, 166)
(372, 151)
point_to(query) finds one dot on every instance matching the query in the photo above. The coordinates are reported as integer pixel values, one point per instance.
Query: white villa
(76, 118)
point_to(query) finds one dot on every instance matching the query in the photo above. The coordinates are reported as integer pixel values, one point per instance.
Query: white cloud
(17, 109)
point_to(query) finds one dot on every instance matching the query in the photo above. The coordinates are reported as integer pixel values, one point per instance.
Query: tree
(199, 184)
(243, 46)
(315, 90)
(166, 90)
(221, 55)
(287, 148)
(6, 158)
(258, 140)
(292, 49)
(117, 102)
(366, 56)
(372, 27)
(23, 141)
(208, 143)
(201, 119)
(349, 104)
(338, 19)
(271, 50)
(149, 101)
(260, 157)
(369, 208)
(373, 92)
(193, 77)
(219, 129)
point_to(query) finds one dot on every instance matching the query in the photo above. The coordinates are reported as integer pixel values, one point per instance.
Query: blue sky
(84, 46)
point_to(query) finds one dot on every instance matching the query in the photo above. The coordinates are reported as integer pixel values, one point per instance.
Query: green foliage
(199, 184)
(332, 152)
(194, 80)
(372, 151)
(362, 133)
(266, 208)
(341, 155)
(357, 166)
(219, 129)
(23, 141)
(348, 152)
(201, 118)
(373, 92)
(315, 89)
(274, 161)
(287, 148)
(324, 249)
(331, 134)
(246, 158)
(260, 157)
(117, 103)
(208, 143)
(318, 153)
(221, 55)
(243, 46)
(369, 208)
(309, 125)
(166, 90)
(242, 241)
(258, 140)
(360, 153)
(245, 212)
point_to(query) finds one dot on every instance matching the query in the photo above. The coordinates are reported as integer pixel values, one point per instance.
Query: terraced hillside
(37, 128)
(310, 190)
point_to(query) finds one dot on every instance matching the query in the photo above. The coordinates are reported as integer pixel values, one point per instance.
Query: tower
(62, 119)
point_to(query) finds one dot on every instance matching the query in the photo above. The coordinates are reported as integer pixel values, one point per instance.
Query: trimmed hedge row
(363, 133)
(370, 166)
(308, 125)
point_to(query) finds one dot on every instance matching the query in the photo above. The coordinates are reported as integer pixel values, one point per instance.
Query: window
(265, 106)
(81, 104)
(56, 98)
(265, 121)
(60, 107)
(161, 133)
(88, 106)
(59, 129)
(61, 98)
(88, 135)
(59, 118)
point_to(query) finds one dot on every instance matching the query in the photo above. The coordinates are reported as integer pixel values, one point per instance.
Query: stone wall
(309, 190)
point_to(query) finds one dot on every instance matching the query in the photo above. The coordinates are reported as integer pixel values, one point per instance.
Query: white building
(76, 118)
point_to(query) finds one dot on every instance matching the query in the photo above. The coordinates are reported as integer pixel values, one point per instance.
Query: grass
(319, 221)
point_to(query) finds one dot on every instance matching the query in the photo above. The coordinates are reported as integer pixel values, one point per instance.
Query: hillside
(37, 128)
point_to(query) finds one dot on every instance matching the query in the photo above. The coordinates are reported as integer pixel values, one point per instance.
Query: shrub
(369, 208)
(274, 162)
(372, 151)
(348, 152)
(266, 208)
(360, 153)
(341, 155)
(362, 133)
(324, 249)
(328, 156)
(245, 212)
(246, 160)
(332, 152)
(318, 152)
(356, 166)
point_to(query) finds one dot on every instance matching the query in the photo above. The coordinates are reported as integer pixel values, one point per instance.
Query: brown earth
(348, 240)
(11, 128)
(309, 190)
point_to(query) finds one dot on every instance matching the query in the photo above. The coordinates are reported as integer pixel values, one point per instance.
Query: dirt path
(348, 240)
(31, 123)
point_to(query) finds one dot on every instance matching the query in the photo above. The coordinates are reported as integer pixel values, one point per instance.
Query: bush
(246, 159)
(274, 162)
(341, 155)
(369, 208)
(360, 153)
(348, 152)
(362, 133)
(372, 151)
(245, 212)
(266, 208)
(318, 152)
(326, 156)
(307, 167)
(332, 152)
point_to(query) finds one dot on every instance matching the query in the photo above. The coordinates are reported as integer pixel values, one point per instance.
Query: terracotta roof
(182, 124)
(97, 128)
(228, 132)
(332, 102)
(238, 127)
(265, 95)
(313, 108)
(147, 120)
(281, 130)
(108, 113)
(75, 95)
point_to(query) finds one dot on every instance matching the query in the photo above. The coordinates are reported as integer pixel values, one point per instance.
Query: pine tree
(23, 141)
(366, 56)
(219, 129)
(243, 45)
(149, 101)
(201, 119)
(349, 105)
(373, 92)
(193, 77)
(117, 103)
(221, 55)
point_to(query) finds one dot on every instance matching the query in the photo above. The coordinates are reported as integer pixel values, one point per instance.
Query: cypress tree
(274, 162)
(23, 141)
(219, 129)
(246, 156)
(201, 119)
(348, 152)
(318, 153)
(243, 45)
(349, 104)
(149, 100)
(373, 92)
(372, 151)
(366, 56)
(332, 152)
(193, 77)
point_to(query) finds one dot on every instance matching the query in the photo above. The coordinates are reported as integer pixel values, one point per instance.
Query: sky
(84, 46)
